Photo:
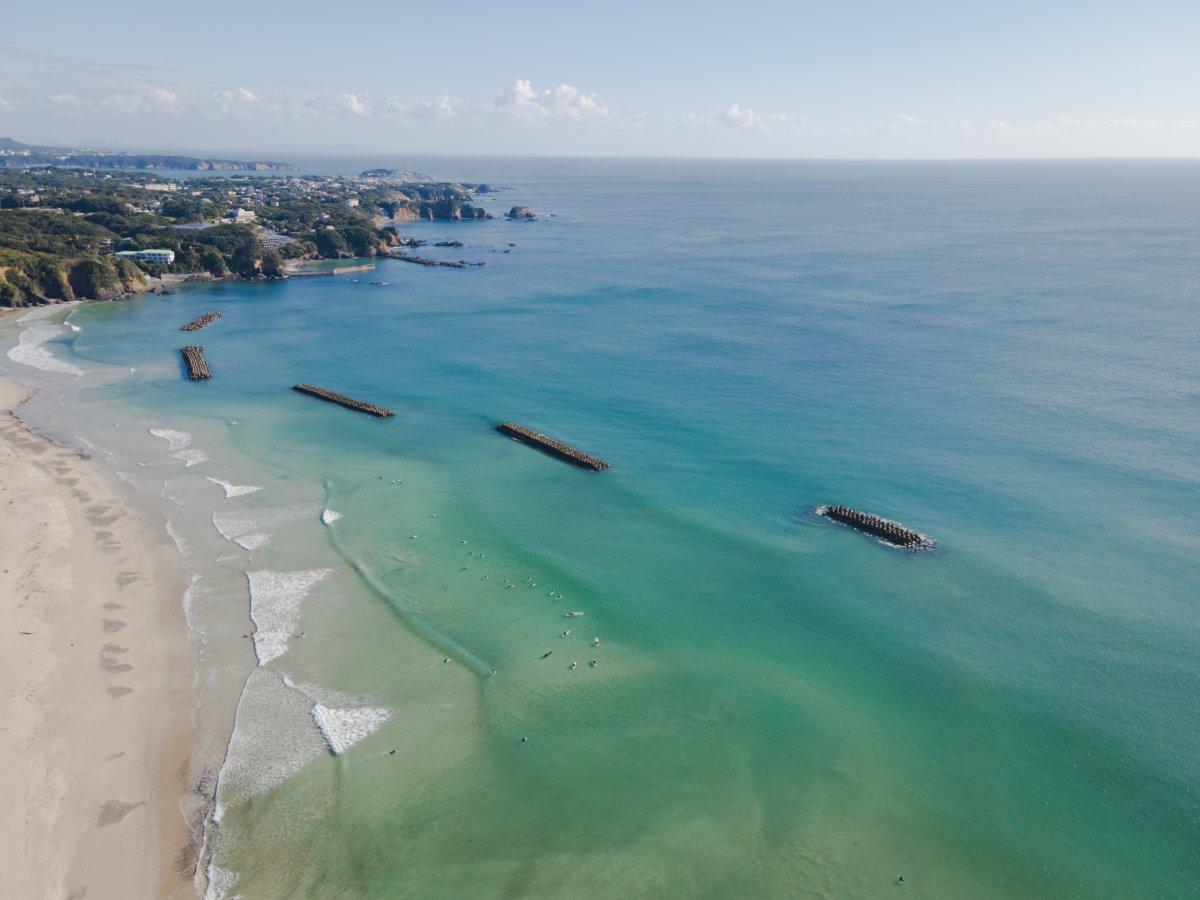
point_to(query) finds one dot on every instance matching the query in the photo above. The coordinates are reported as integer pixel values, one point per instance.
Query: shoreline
(99, 681)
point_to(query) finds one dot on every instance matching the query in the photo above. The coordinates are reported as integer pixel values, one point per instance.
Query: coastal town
(72, 232)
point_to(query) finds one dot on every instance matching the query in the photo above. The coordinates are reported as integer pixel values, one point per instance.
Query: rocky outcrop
(521, 212)
(452, 209)
(445, 209)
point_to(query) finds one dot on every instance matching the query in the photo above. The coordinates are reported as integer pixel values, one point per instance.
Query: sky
(756, 78)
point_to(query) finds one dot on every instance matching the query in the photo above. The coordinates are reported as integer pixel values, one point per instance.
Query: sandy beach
(95, 726)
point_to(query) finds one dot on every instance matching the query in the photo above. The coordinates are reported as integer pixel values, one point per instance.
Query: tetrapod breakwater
(551, 446)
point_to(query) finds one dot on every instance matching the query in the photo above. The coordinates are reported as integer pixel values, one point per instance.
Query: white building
(240, 215)
(155, 257)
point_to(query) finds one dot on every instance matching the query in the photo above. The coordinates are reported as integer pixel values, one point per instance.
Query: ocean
(1002, 355)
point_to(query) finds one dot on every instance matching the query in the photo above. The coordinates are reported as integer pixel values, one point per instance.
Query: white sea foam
(191, 456)
(275, 599)
(343, 728)
(177, 489)
(318, 694)
(273, 739)
(179, 446)
(250, 528)
(45, 312)
(235, 490)
(329, 516)
(29, 350)
(189, 598)
(220, 883)
(176, 440)
(179, 540)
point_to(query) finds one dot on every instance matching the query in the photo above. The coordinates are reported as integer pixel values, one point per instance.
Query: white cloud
(144, 105)
(736, 117)
(156, 100)
(521, 102)
(905, 122)
(1099, 125)
(443, 107)
(226, 104)
(338, 104)
(65, 101)
(518, 102)
(1118, 124)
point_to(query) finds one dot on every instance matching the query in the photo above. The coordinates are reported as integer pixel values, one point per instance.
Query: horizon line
(213, 154)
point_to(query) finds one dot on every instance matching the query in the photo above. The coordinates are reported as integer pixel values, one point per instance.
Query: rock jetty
(884, 529)
(551, 446)
(200, 321)
(437, 263)
(342, 400)
(197, 365)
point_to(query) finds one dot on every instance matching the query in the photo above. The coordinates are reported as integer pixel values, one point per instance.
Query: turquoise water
(1000, 355)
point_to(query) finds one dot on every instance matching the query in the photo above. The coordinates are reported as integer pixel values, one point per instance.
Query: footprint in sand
(113, 625)
(118, 691)
(114, 811)
(109, 663)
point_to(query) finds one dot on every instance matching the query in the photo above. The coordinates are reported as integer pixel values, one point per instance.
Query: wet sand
(95, 682)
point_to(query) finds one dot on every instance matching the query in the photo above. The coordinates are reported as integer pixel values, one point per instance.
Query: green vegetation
(60, 228)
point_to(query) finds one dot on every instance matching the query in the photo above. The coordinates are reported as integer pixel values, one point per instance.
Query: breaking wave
(275, 599)
(30, 350)
(235, 490)
(179, 446)
(273, 739)
(220, 883)
(250, 528)
(343, 728)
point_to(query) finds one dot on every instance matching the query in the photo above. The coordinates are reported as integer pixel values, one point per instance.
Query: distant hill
(14, 154)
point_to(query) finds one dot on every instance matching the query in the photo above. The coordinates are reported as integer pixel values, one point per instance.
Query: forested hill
(62, 230)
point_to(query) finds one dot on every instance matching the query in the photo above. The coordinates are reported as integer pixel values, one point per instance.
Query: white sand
(95, 683)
